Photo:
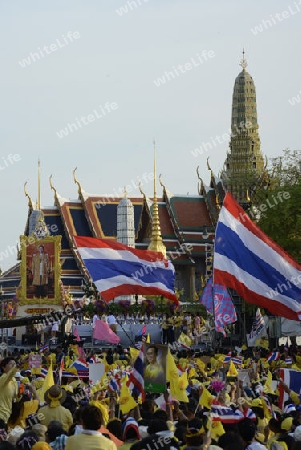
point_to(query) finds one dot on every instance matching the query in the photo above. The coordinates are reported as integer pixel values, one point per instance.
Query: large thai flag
(120, 270)
(248, 261)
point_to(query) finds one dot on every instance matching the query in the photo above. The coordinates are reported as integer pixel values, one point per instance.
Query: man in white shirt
(112, 322)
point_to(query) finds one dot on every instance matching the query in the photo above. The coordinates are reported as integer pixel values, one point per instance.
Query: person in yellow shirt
(54, 397)
(25, 406)
(8, 387)
(90, 438)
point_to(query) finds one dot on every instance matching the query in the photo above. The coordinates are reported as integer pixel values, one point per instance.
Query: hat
(287, 424)
(256, 403)
(15, 434)
(127, 425)
(40, 431)
(18, 375)
(297, 433)
(41, 446)
(55, 396)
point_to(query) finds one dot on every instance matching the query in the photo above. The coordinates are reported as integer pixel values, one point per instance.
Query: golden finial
(208, 166)
(201, 188)
(124, 192)
(161, 182)
(51, 185)
(30, 203)
(141, 191)
(156, 243)
(77, 182)
(243, 63)
(39, 185)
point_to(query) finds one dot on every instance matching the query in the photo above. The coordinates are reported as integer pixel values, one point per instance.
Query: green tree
(276, 206)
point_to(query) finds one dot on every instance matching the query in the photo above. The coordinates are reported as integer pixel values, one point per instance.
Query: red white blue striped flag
(120, 270)
(274, 356)
(136, 379)
(248, 261)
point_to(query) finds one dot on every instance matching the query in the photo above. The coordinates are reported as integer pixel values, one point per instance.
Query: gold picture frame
(40, 270)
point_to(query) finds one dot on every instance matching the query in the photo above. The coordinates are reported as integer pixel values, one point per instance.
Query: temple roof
(183, 219)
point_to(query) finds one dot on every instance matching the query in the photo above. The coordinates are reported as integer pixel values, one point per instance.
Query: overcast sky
(114, 55)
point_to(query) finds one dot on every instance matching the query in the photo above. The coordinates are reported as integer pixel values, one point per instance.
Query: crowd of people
(235, 400)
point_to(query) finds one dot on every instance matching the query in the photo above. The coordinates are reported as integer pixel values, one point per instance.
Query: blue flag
(217, 300)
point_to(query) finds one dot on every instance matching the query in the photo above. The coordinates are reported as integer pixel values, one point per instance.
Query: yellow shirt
(8, 391)
(89, 442)
(29, 408)
(59, 413)
(154, 371)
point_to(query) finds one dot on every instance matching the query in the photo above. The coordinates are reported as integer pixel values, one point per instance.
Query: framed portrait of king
(40, 270)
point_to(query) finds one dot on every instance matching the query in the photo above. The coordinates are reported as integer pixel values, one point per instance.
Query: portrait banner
(155, 368)
(40, 270)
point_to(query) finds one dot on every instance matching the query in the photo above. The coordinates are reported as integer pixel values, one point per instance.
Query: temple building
(180, 226)
(244, 167)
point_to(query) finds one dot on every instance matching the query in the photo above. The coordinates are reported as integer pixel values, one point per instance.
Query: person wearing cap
(261, 421)
(54, 397)
(285, 427)
(90, 438)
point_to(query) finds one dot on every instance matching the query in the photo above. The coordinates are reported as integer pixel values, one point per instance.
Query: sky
(98, 66)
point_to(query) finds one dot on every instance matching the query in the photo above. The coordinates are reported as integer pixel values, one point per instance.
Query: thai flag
(227, 358)
(274, 356)
(67, 374)
(249, 414)
(44, 372)
(136, 379)
(248, 261)
(113, 385)
(93, 360)
(225, 414)
(258, 324)
(292, 378)
(44, 348)
(119, 270)
(288, 360)
(81, 366)
(237, 360)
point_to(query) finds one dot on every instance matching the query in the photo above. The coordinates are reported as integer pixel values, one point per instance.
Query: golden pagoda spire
(156, 243)
(39, 185)
(243, 63)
